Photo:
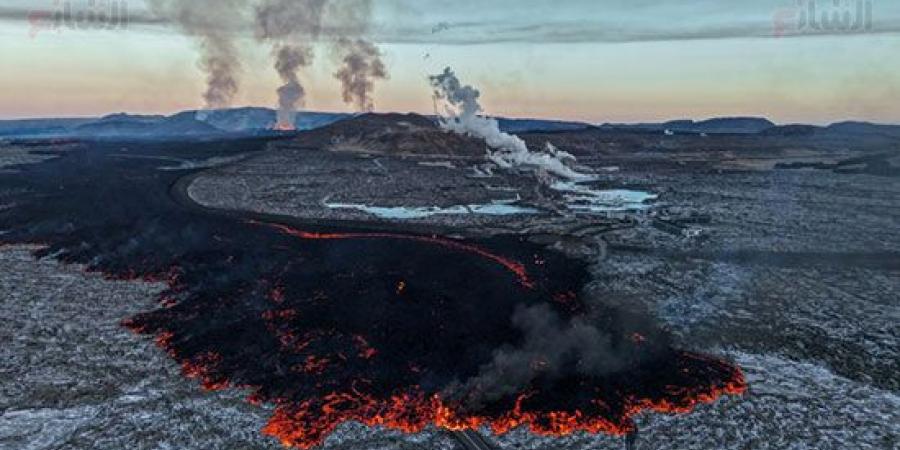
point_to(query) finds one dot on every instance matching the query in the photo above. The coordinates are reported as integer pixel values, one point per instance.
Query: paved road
(472, 440)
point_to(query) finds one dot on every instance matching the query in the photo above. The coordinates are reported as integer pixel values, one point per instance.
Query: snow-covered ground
(72, 378)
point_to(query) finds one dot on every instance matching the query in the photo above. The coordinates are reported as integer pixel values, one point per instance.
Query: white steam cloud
(461, 115)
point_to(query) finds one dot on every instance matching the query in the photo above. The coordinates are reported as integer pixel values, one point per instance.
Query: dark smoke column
(291, 26)
(361, 63)
(212, 23)
(288, 61)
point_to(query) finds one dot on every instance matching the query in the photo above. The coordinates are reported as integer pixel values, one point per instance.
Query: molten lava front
(284, 126)
(383, 350)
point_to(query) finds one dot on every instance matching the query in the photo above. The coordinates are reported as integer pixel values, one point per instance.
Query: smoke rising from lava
(461, 115)
(211, 23)
(552, 348)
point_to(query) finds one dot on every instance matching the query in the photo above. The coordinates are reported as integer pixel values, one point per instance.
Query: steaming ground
(792, 274)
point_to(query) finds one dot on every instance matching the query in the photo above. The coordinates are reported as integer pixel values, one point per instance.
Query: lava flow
(515, 267)
(397, 355)
(381, 328)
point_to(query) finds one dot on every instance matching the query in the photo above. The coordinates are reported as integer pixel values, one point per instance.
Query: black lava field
(332, 323)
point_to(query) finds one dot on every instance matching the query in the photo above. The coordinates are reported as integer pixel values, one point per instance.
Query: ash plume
(211, 23)
(462, 115)
(362, 65)
(552, 348)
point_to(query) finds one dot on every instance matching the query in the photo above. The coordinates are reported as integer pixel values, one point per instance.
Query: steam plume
(461, 115)
(362, 65)
(291, 26)
(288, 61)
(211, 23)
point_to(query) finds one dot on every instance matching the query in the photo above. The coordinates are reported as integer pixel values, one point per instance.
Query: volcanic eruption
(291, 28)
(332, 325)
(213, 24)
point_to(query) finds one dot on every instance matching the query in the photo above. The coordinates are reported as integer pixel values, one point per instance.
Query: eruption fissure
(518, 269)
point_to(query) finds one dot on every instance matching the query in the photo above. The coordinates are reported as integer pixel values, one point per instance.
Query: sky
(590, 60)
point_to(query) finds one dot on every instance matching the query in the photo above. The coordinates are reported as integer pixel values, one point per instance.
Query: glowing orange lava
(284, 127)
(306, 426)
(305, 422)
(515, 267)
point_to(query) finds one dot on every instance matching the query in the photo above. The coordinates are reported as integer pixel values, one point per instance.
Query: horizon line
(350, 113)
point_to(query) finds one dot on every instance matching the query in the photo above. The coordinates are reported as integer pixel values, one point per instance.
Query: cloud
(465, 22)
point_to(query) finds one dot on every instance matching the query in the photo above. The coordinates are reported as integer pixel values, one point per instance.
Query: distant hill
(537, 125)
(187, 123)
(125, 117)
(40, 127)
(724, 125)
(257, 121)
(126, 126)
(849, 132)
(390, 133)
(864, 128)
(793, 130)
(251, 119)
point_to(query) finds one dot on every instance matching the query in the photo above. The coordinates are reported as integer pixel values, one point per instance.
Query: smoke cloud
(288, 61)
(461, 115)
(291, 26)
(211, 23)
(361, 62)
(362, 65)
(551, 348)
